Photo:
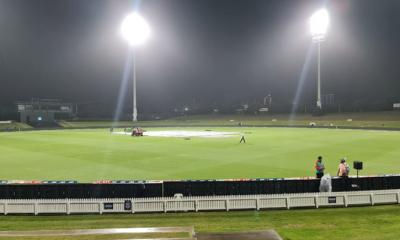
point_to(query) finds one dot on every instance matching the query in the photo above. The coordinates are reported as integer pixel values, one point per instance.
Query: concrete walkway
(259, 235)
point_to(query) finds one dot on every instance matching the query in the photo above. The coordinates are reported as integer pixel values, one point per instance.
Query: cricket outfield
(89, 155)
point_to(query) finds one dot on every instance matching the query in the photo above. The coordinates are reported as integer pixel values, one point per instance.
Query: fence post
(287, 203)
(100, 207)
(196, 202)
(227, 204)
(165, 206)
(345, 200)
(35, 207)
(316, 201)
(398, 198)
(372, 199)
(258, 203)
(5, 208)
(68, 207)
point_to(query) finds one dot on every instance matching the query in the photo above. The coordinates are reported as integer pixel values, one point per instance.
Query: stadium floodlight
(136, 31)
(319, 23)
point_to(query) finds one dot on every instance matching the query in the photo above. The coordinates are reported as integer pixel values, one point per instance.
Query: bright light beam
(300, 87)
(122, 91)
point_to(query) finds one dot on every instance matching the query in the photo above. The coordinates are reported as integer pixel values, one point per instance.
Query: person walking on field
(343, 170)
(319, 168)
(242, 139)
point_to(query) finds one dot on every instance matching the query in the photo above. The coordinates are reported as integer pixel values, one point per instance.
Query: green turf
(362, 223)
(384, 119)
(14, 126)
(88, 155)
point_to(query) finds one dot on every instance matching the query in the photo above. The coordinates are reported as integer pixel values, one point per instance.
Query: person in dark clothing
(242, 139)
(319, 168)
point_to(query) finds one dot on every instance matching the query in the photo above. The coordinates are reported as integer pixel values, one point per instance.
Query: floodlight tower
(319, 23)
(135, 30)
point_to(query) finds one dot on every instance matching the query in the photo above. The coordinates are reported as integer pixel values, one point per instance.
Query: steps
(45, 125)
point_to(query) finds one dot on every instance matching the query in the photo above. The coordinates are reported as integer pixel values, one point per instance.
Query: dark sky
(200, 50)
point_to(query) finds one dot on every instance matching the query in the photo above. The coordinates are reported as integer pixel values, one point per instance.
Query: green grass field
(88, 155)
(14, 126)
(381, 120)
(360, 223)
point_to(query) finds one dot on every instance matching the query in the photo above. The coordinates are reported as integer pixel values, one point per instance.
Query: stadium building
(44, 112)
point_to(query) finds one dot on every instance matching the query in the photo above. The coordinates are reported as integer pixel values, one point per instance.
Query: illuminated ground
(88, 155)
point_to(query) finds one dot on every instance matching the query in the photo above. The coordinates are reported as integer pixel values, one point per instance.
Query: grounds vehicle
(137, 132)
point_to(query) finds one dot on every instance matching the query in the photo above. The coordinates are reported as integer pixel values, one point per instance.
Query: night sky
(207, 51)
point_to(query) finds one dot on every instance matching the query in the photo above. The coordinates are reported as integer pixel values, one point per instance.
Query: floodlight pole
(135, 30)
(134, 114)
(319, 103)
